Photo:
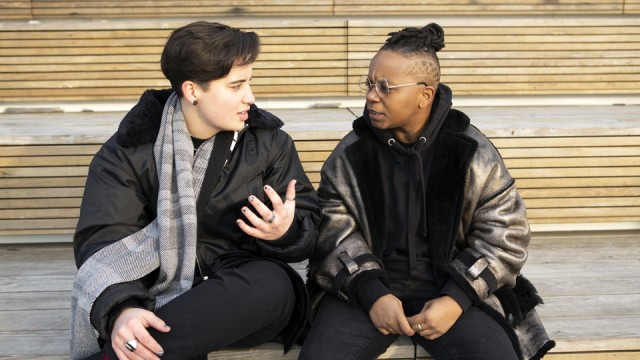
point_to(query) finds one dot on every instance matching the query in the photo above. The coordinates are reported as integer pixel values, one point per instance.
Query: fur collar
(142, 123)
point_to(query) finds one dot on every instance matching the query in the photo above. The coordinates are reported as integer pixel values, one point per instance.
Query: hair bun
(412, 39)
(433, 36)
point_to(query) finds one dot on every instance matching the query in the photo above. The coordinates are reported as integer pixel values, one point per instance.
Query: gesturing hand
(273, 224)
(388, 317)
(131, 327)
(436, 317)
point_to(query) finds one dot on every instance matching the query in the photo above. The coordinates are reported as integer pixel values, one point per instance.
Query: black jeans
(243, 306)
(345, 332)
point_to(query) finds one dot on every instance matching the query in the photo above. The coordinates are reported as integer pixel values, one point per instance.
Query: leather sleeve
(342, 254)
(115, 202)
(496, 231)
(284, 165)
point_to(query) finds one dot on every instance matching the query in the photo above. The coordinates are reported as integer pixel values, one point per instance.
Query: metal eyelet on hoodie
(391, 142)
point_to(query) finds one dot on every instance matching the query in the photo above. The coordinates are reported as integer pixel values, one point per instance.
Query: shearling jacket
(121, 193)
(478, 231)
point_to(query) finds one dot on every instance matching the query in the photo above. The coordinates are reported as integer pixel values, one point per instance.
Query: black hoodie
(407, 255)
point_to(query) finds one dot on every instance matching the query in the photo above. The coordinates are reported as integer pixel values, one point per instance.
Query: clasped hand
(272, 224)
(436, 317)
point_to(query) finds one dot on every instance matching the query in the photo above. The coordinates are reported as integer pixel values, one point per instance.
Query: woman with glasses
(423, 231)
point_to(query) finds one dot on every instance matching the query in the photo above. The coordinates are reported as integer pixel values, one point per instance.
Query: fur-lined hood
(142, 123)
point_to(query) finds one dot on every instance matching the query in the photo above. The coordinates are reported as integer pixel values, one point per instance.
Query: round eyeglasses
(381, 85)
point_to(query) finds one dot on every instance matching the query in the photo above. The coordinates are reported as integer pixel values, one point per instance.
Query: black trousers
(343, 331)
(243, 306)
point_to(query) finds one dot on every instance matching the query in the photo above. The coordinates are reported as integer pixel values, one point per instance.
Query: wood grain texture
(590, 282)
(572, 165)
(75, 59)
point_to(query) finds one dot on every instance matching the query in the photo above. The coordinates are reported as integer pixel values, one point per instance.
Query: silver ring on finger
(271, 219)
(419, 327)
(131, 345)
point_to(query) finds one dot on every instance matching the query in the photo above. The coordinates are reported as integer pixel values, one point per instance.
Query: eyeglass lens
(381, 86)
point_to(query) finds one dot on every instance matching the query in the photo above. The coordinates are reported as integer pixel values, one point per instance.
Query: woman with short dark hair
(190, 214)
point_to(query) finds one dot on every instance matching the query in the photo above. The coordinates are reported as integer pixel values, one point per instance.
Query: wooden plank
(593, 222)
(43, 150)
(563, 141)
(546, 203)
(45, 171)
(575, 172)
(487, 26)
(26, 283)
(402, 349)
(536, 183)
(553, 152)
(572, 162)
(40, 224)
(454, 8)
(375, 3)
(35, 161)
(17, 9)
(46, 319)
(609, 332)
(39, 203)
(181, 9)
(47, 233)
(40, 344)
(41, 193)
(570, 194)
(42, 182)
(569, 212)
(48, 213)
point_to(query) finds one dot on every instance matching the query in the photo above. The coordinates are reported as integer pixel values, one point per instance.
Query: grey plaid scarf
(167, 243)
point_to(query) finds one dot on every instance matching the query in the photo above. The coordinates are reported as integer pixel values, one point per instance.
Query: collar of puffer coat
(142, 123)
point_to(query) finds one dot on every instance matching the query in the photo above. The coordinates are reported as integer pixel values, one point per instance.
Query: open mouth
(374, 114)
(244, 115)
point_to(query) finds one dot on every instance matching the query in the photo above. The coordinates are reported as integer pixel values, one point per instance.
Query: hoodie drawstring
(418, 202)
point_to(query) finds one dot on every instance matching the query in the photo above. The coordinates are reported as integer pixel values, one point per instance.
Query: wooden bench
(65, 60)
(576, 167)
(41, 9)
(590, 283)
(482, 7)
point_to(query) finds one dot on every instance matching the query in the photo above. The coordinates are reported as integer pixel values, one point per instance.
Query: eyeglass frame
(366, 85)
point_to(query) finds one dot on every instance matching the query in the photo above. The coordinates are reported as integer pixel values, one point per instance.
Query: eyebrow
(240, 81)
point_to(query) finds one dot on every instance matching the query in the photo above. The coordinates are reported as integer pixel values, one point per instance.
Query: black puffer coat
(121, 194)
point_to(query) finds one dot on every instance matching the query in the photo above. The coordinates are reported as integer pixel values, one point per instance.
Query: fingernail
(266, 187)
(166, 326)
(160, 353)
(252, 198)
(244, 210)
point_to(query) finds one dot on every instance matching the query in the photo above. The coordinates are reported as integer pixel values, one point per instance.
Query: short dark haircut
(205, 51)
(422, 43)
